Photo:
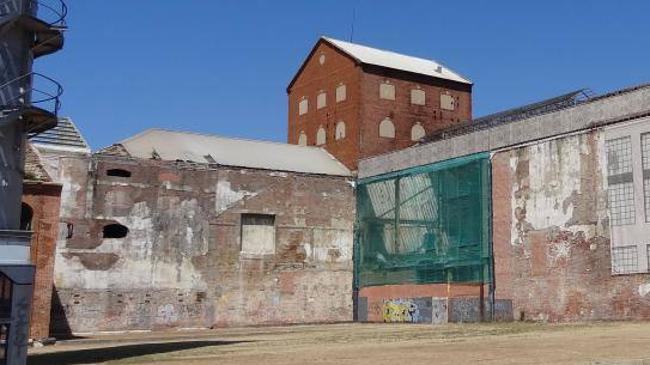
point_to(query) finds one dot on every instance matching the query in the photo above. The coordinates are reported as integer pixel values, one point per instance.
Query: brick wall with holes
(43, 199)
(189, 257)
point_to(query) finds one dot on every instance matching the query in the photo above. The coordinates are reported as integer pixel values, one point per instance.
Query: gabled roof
(378, 57)
(210, 149)
(65, 136)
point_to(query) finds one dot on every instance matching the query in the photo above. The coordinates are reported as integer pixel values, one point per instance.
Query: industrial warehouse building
(535, 213)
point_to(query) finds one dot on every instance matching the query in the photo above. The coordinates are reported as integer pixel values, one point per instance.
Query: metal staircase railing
(54, 12)
(43, 91)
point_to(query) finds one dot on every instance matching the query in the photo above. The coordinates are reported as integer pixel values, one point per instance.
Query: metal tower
(29, 103)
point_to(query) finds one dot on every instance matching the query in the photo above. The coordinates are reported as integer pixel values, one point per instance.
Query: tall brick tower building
(358, 101)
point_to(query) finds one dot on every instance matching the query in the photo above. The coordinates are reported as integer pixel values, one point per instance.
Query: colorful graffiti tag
(400, 310)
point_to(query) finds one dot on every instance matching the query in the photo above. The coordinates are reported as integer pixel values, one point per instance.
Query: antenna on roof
(354, 13)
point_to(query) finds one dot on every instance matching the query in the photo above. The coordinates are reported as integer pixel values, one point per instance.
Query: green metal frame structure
(426, 225)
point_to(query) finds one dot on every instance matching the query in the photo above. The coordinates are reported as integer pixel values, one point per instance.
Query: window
(447, 102)
(620, 193)
(257, 234)
(321, 59)
(387, 91)
(417, 132)
(341, 93)
(340, 130)
(26, 215)
(321, 100)
(321, 136)
(118, 173)
(387, 128)
(302, 139)
(418, 97)
(303, 106)
(115, 230)
(625, 260)
(645, 156)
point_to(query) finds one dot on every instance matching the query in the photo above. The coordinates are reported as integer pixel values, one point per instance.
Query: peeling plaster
(226, 197)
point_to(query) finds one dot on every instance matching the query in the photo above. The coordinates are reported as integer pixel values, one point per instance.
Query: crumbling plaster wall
(552, 235)
(180, 264)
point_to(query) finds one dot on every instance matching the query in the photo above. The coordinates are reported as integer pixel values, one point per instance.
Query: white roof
(202, 148)
(378, 57)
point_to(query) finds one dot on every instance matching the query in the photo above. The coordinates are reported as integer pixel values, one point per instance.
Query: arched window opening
(115, 230)
(417, 132)
(302, 139)
(387, 128)
(118, 173)
(321, 136)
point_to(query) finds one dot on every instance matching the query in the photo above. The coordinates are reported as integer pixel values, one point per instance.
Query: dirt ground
(376, 344)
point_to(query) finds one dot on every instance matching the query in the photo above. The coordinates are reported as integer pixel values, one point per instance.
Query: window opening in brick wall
(302, 139)
(303, 106)
(418, 97)
(115, 230)
(26, 215)
(258, 234)
(321, 100)
(387, 128)
(387, 91)
(625, 260)
(118, 173)
(620, 193)
(340, 130)
(321, 136)
(341, 93)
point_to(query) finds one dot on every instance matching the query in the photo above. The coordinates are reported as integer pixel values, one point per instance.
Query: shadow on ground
(99, 355)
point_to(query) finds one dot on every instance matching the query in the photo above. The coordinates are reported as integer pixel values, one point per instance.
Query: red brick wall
(404, 114)
(314, 78)
(44, 199)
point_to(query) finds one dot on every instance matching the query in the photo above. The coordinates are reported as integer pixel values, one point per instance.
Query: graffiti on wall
(400, 310)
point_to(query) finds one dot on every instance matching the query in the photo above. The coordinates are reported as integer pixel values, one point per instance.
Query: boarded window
(321, 136)
(417, 132)
(118, 173)
(620, 191)
(387, 91)
(341, 93)
(303, 106)
(302, 139)
(258, 234)
(340, 130)
(321, 100)
(447, 102)
(418, 97)
(387, 128)
(115, 231)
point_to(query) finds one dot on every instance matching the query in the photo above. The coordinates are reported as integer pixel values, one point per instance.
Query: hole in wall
(26, 215)
(118, 173)
(69, 230)
(115, 231)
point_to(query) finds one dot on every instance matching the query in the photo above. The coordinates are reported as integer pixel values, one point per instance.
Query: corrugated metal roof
(65, 136)
(201, 148)
(378, 57)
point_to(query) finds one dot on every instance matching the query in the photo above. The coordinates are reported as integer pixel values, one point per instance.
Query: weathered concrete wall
(181, 264)
(552, 234)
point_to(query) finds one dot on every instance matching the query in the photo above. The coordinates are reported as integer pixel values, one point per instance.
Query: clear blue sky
(222, 66)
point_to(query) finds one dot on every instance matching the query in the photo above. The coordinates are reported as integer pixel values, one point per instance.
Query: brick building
(358, 101)
(174, 229)
(566, 198)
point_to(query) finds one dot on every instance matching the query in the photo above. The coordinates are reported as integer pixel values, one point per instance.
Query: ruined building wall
(552, 234)
(183, 262)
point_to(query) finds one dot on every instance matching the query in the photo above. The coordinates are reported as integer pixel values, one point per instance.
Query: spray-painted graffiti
(401, 310)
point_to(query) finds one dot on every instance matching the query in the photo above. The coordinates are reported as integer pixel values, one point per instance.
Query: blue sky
(222, 67)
